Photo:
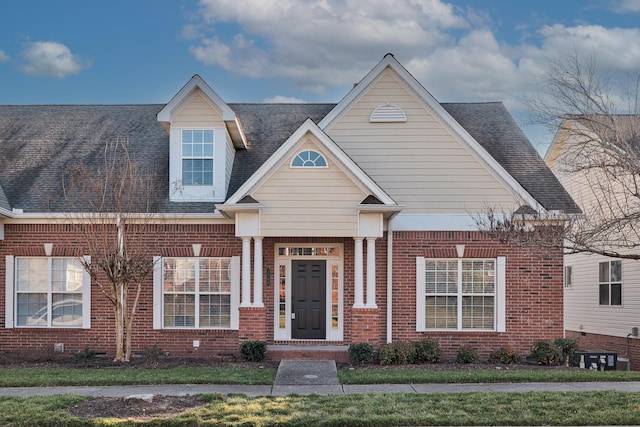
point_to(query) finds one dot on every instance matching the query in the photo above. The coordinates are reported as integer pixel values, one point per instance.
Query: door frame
(284, 254)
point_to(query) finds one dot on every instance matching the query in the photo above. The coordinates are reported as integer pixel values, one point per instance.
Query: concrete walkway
(283, 390)
(313, 377)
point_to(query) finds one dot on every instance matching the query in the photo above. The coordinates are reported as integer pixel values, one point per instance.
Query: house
(309, 226)
(602, 290)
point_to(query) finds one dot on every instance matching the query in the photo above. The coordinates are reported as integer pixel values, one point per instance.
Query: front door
(308, 304)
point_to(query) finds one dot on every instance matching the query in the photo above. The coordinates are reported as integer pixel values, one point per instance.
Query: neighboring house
(309, 226)
(602, 294)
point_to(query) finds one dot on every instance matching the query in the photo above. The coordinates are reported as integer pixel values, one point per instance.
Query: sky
(144, 51)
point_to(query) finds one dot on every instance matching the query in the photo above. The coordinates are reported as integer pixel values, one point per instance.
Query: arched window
(309, 159)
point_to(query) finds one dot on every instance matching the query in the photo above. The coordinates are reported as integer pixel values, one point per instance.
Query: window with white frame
(199, 293)
(568, 277)
(197, 157)
(460, 294)
(49, 292)
(610, 282)
(309, 159)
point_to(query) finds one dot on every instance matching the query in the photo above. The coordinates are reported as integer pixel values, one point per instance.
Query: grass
(535, 408)
(424, 376)
(42, 377)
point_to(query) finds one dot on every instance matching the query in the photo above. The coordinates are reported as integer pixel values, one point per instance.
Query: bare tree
(595, 154)
(112, 209)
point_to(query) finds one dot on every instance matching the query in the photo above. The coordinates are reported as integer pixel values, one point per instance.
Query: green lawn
(33, 377)
(537, 408)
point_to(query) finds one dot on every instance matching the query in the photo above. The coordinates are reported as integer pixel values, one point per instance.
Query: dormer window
(309, 159)
(197, 157)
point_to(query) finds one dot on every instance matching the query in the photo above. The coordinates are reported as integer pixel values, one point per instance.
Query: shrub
(360, 353)
(567, 347)
(543, 352)
(396, 353)
(253, 351)
(467, 354)
(505, 356)
(87, 353)
(426, 351)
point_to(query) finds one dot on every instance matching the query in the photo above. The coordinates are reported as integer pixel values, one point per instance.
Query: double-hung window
(460, 294)
(198, 293)
(48, 292)
(610, 282)
(197, 157)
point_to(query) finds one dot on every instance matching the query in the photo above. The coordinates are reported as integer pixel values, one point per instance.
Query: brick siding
(533, 293)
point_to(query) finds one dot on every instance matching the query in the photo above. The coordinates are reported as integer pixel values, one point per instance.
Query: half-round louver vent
(388, 113)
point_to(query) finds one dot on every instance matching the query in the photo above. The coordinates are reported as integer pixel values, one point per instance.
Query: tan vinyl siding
(309, 201)
(198, 113)
(582, 310)
(418, 163)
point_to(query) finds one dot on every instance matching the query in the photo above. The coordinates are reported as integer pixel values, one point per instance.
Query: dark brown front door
(309, 299)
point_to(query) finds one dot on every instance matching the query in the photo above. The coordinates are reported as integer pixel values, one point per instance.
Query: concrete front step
(278, 352)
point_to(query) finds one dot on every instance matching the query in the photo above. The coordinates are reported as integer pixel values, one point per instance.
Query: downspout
(389, 279)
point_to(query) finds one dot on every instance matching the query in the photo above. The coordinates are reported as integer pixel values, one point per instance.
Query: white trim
(157, 292)
(158, 303)
(499, 297)
(280, 334)
(235, 292)
(440, 114)
(196, 82)
(9, 297)
(434, 222)
(1, 230)
(86, 295)
(420, 293)
(501, 291)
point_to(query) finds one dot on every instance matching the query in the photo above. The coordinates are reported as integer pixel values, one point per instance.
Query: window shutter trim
(157, 292)
(9, 296)
(420, 294)
(501, 315)
(86, 295)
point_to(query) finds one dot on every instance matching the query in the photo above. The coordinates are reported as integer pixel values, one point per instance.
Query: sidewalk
(283, 390)
(305, 377)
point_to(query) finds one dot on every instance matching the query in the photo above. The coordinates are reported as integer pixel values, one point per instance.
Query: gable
(198, 112)
(422, 163)
(313, 200)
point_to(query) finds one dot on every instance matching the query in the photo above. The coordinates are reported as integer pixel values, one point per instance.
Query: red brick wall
(533, 290)
(161, 240)
(533, 298)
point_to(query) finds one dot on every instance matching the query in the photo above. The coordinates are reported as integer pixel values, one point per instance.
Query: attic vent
(388, 113)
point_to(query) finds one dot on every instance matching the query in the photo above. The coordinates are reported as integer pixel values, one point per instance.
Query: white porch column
(246, 272)
(257, 272)
(371, 272)
(358, 276)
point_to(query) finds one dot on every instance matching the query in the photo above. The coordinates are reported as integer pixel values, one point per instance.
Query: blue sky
(143, 51)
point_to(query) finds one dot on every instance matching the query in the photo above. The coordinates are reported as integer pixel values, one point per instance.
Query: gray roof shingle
(37, 142)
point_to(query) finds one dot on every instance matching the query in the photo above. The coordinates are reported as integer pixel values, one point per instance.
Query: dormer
(204, 134)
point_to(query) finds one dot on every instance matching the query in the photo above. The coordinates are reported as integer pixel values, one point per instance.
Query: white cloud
(279, 99)
(454, 52)
(50, 59)
(627, 6)
(319, 42)
(3, 56)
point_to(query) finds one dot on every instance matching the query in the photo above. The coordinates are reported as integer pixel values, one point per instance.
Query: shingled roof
(37, 142)
(494, 128)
